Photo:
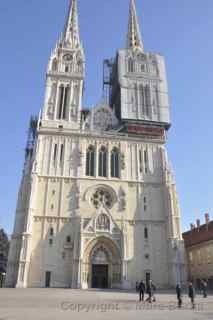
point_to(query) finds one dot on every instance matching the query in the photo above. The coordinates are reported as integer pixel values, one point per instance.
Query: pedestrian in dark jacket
(204, 288)
(150, 290)
(192, 294)
(179, 295)
(141, 289)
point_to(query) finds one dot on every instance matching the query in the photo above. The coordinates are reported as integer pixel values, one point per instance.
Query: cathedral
(97, 205)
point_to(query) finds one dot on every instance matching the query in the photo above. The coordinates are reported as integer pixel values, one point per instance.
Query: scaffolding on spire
(32, 134)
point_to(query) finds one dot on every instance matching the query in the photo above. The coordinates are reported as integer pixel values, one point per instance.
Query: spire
(71, 31)
(134, 36)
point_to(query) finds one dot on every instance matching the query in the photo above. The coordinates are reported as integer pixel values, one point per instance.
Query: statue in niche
(121, 199)
(79, 65)
(74, 198)
(123, 166)
(75, 95)
(51, 101)
(132, 102)
(76, 159)
(74, 105)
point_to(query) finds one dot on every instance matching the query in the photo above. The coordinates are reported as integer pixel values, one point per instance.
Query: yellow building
(199, 248)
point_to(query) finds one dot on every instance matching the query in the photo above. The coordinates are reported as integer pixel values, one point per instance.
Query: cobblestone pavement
(42, 304)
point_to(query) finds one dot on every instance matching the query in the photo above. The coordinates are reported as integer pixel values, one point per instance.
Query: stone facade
(199, 249)
(98, 205)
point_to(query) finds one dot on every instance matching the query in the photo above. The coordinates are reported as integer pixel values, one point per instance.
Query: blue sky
(181, 30)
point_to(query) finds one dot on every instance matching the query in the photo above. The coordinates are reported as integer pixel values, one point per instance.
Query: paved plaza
(42, 304)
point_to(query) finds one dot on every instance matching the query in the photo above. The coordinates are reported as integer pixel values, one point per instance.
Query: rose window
(102, 197)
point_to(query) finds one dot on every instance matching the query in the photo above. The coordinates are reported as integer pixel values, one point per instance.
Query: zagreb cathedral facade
(97, 205)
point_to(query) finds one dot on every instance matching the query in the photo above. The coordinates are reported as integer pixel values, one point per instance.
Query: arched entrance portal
(102, 264)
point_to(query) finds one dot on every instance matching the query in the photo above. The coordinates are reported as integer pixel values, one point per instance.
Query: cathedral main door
(101, 267)
(100, 276)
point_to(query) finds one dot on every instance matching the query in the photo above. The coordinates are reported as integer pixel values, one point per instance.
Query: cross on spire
(134, 39)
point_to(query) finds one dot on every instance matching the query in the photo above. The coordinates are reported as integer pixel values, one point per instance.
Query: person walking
(179, 295)
(141, 289)
(192, 294)
(151, 288)
(204, 288)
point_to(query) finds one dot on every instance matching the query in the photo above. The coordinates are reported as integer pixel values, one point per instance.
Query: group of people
(148, 288)
(191, 292)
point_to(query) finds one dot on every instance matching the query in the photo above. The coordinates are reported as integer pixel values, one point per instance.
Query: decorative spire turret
(134, 39)
(71, 32)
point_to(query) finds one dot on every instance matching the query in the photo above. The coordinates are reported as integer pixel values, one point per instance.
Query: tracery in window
(102, 197)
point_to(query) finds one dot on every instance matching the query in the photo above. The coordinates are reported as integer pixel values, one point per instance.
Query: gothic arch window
(130, 65)
(64, 92)
(115, 163)
(141, 160)
(156, 100)
(54, 65)
(68, 239)
(142, 99)
(143, 68)
(148, 99)
(146, 233)
(79, 66)
(103, 222)
(55, 153)
(61, 154)
(135, 101)
(51, 231)
(146, 161)
(102, 162)
(90, 162)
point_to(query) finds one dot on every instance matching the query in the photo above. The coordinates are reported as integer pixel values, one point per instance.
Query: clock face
(102, 120)
(67, 57)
